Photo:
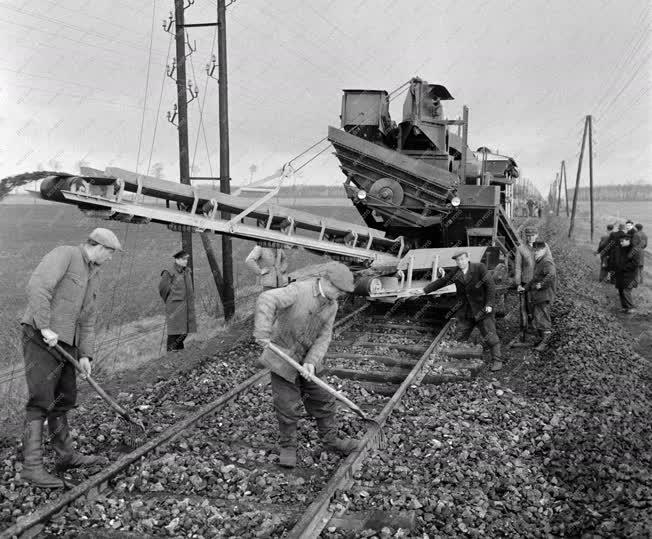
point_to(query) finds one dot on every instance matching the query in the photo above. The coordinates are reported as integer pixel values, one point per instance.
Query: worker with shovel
(62, 299)
(298, 319)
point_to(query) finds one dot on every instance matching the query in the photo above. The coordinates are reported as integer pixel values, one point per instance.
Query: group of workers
(296, 318)
(622, 260)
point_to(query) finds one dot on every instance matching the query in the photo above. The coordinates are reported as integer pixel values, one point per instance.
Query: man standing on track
(299, 319)
(642, 237)
(61, 309)
(178, 294)
(524, 266)
(476, 294)
(604, 248)
(628, 260)
(541, 289)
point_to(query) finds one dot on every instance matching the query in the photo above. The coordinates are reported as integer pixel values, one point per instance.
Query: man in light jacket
(299, 319)
(62, 302)
(270, 263)
(177, 292)
(542, 288)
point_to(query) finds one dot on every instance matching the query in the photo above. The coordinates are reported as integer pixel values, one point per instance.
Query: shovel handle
(316, 380)
(93, 383)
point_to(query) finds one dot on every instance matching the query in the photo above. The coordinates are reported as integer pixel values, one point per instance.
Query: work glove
(310, 368)
(50, 337)
(85, 365)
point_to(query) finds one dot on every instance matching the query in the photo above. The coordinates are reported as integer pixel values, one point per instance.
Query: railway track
(214, 473)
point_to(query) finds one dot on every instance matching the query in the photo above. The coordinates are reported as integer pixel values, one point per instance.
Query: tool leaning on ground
(136, 435)
(280, 353)
(521, 340)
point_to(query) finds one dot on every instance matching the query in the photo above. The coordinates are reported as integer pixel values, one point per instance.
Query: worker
(299, 319)
(61, 310)
(270, 263)
(627, 262)
(524, 265)
(603, 252)
(642, 236)
(541, 290)
(476, 293)
(176, 290)
(631, 230)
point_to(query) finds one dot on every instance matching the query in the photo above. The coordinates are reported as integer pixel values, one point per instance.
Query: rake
(136, 430)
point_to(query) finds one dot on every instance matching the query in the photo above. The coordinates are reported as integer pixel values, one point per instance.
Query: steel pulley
(387, 190)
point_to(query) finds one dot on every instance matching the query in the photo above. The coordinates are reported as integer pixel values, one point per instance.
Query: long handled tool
(321, 383)
(523, 321)
(135, 434)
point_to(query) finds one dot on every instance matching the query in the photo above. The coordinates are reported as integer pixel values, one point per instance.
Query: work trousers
(487, 328)
(640, 274)
(626, 300)
(51, 380)
(541, 316)
(175, 342)
(287, 397)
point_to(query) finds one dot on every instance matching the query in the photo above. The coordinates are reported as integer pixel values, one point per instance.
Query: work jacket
(628, 260)
(475, 290)
(177, 291)
(545, 275)
(603, 247)
(272, 259)
(523, 264)
(297, 319)
(62, 296)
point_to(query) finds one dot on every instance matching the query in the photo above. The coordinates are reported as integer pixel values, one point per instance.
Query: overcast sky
(77, 81)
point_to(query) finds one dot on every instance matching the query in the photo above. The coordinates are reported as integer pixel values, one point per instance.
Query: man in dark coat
(61, 309)
(541, 290)
(476, 293)
(642, 236)
(631, 231)
(603, 252)
(178, 294)
(627, 263)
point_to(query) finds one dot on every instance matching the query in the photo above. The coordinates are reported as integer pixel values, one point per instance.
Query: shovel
(135, 433)
(321, 383)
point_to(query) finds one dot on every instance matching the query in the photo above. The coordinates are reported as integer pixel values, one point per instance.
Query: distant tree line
(622, 192)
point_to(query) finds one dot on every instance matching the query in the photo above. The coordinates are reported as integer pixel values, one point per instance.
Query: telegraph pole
(590, 122)
(228, 297)
(182, 113)
(563, 168)
(577, 180)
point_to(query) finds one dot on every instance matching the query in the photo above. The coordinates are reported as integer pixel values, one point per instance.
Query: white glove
(85, 365)
(49, 336)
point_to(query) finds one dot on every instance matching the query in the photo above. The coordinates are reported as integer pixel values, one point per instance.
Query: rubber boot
(67, 457)
(33, 470)
(288, 457)
(328, 434)
(543, 343)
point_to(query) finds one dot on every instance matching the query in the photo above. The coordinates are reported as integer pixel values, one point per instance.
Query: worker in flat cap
(524, 266)
(541, 290)
(177, 291)
(270, 263)
(299, 319)
(61, 309)
(476, 294)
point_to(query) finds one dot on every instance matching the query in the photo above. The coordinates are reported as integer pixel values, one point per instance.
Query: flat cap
(180, 254)
(539, 245)
(341, 276)
(459, 253)
(105, 237)
(531, 230)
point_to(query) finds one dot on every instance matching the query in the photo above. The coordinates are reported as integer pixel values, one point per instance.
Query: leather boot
(67, 457)
(543, 343)
(288, 457)
(33, 470)
(496, 360)
(328, 434)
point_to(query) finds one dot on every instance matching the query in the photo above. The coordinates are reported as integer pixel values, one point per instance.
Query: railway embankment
(558, 445)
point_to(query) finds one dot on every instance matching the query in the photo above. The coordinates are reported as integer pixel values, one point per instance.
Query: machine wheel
(387, 190)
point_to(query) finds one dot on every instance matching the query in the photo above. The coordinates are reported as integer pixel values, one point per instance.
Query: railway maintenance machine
(420, 191)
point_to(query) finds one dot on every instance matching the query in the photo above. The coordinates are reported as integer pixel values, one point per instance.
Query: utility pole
(182, 112)
(557, 185)
(590, 121)
(465, 139)
(228, 297)
(577, 180)
(563, 168)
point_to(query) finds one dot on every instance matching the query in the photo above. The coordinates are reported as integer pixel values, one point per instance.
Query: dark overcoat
(475, 290)
(628, 259)
(177, 291)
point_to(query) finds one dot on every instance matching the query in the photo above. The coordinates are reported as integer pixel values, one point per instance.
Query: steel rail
(97, 483)
(316, 517)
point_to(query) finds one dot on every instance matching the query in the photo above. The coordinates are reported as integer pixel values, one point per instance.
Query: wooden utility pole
(589, 119)
(465, 139)
(557, 185)
(182, 107)
(577, 180)
(563, 169)
(228, 297)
